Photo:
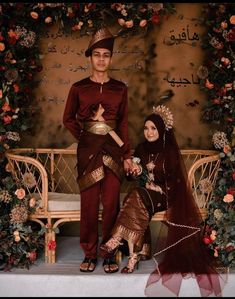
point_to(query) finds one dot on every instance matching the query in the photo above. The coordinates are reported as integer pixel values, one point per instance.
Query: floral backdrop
(21, 241)
(218, 81)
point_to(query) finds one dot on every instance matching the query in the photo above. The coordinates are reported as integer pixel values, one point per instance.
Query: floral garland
(217, 76)
(21, 27)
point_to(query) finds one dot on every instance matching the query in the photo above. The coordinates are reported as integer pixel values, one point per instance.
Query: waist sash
(103, 128)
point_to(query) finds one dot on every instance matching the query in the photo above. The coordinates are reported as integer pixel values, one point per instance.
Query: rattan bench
(53, 184)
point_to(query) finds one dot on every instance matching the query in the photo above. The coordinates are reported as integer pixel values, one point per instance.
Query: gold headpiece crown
(165, 114)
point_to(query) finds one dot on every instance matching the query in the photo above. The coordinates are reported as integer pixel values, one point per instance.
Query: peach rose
(216, 253)
(224, 25)
(34, 15)
(227, 149)
(2, 47)
(17, 238)
(213, 237)
(20, 193)
(232, 20)
(121, 22)
(228, 198)
(6, 107)
(32, 202)
(48, 20)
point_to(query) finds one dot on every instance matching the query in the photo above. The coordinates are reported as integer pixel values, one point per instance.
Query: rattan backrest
(54, 170)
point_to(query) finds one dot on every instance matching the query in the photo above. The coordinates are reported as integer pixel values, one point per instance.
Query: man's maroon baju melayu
(99, 157)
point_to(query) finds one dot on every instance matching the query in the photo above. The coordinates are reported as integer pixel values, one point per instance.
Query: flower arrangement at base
(21, 241)
(220, 223)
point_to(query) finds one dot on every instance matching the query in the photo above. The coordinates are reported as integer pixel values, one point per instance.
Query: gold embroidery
(127, 234)
(96, 175)
(110, 163)
(91, 178)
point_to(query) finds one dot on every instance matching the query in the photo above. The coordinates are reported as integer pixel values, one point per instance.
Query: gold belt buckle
(100, 129)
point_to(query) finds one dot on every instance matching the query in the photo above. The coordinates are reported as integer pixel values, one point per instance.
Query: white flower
(136, 160)
(29, 180)
(218, 214)
(205, 186)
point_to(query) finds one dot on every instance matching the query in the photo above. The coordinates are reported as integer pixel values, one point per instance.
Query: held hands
(132, 168)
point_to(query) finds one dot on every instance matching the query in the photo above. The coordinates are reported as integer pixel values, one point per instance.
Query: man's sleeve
(70, 113)
(123, 125)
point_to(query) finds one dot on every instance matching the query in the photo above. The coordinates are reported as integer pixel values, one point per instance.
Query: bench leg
(53, 251)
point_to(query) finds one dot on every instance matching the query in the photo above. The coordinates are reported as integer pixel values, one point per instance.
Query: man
(96, 113)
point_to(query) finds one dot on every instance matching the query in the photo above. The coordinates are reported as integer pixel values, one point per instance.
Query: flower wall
(218, 81)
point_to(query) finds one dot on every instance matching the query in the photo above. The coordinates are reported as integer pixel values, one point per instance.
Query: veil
(183, 253)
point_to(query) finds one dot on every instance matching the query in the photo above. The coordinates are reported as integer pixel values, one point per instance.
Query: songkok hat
(103, 38)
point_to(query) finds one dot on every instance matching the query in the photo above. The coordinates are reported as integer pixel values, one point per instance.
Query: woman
(162, 175)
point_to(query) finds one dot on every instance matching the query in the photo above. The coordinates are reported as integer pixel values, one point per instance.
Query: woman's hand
(152, 186)
(136, 169)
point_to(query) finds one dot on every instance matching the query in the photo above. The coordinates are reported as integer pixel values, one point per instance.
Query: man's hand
(127, 166)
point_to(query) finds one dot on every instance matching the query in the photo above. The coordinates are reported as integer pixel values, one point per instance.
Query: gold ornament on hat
(165, 114)
(102, 33)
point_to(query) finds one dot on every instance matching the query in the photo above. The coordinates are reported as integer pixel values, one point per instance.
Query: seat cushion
(67, 202)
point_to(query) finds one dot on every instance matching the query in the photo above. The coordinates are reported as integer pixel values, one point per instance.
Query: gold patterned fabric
(91, 178)
(132, 220)
(88, 179)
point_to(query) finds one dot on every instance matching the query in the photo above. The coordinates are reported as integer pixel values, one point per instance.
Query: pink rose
(129, 24)
(143, 23)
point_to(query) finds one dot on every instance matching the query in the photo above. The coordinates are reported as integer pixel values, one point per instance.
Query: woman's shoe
(133, 262)
(111, 246)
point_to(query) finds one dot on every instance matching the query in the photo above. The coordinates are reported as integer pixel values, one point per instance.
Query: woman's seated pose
(163, 185)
